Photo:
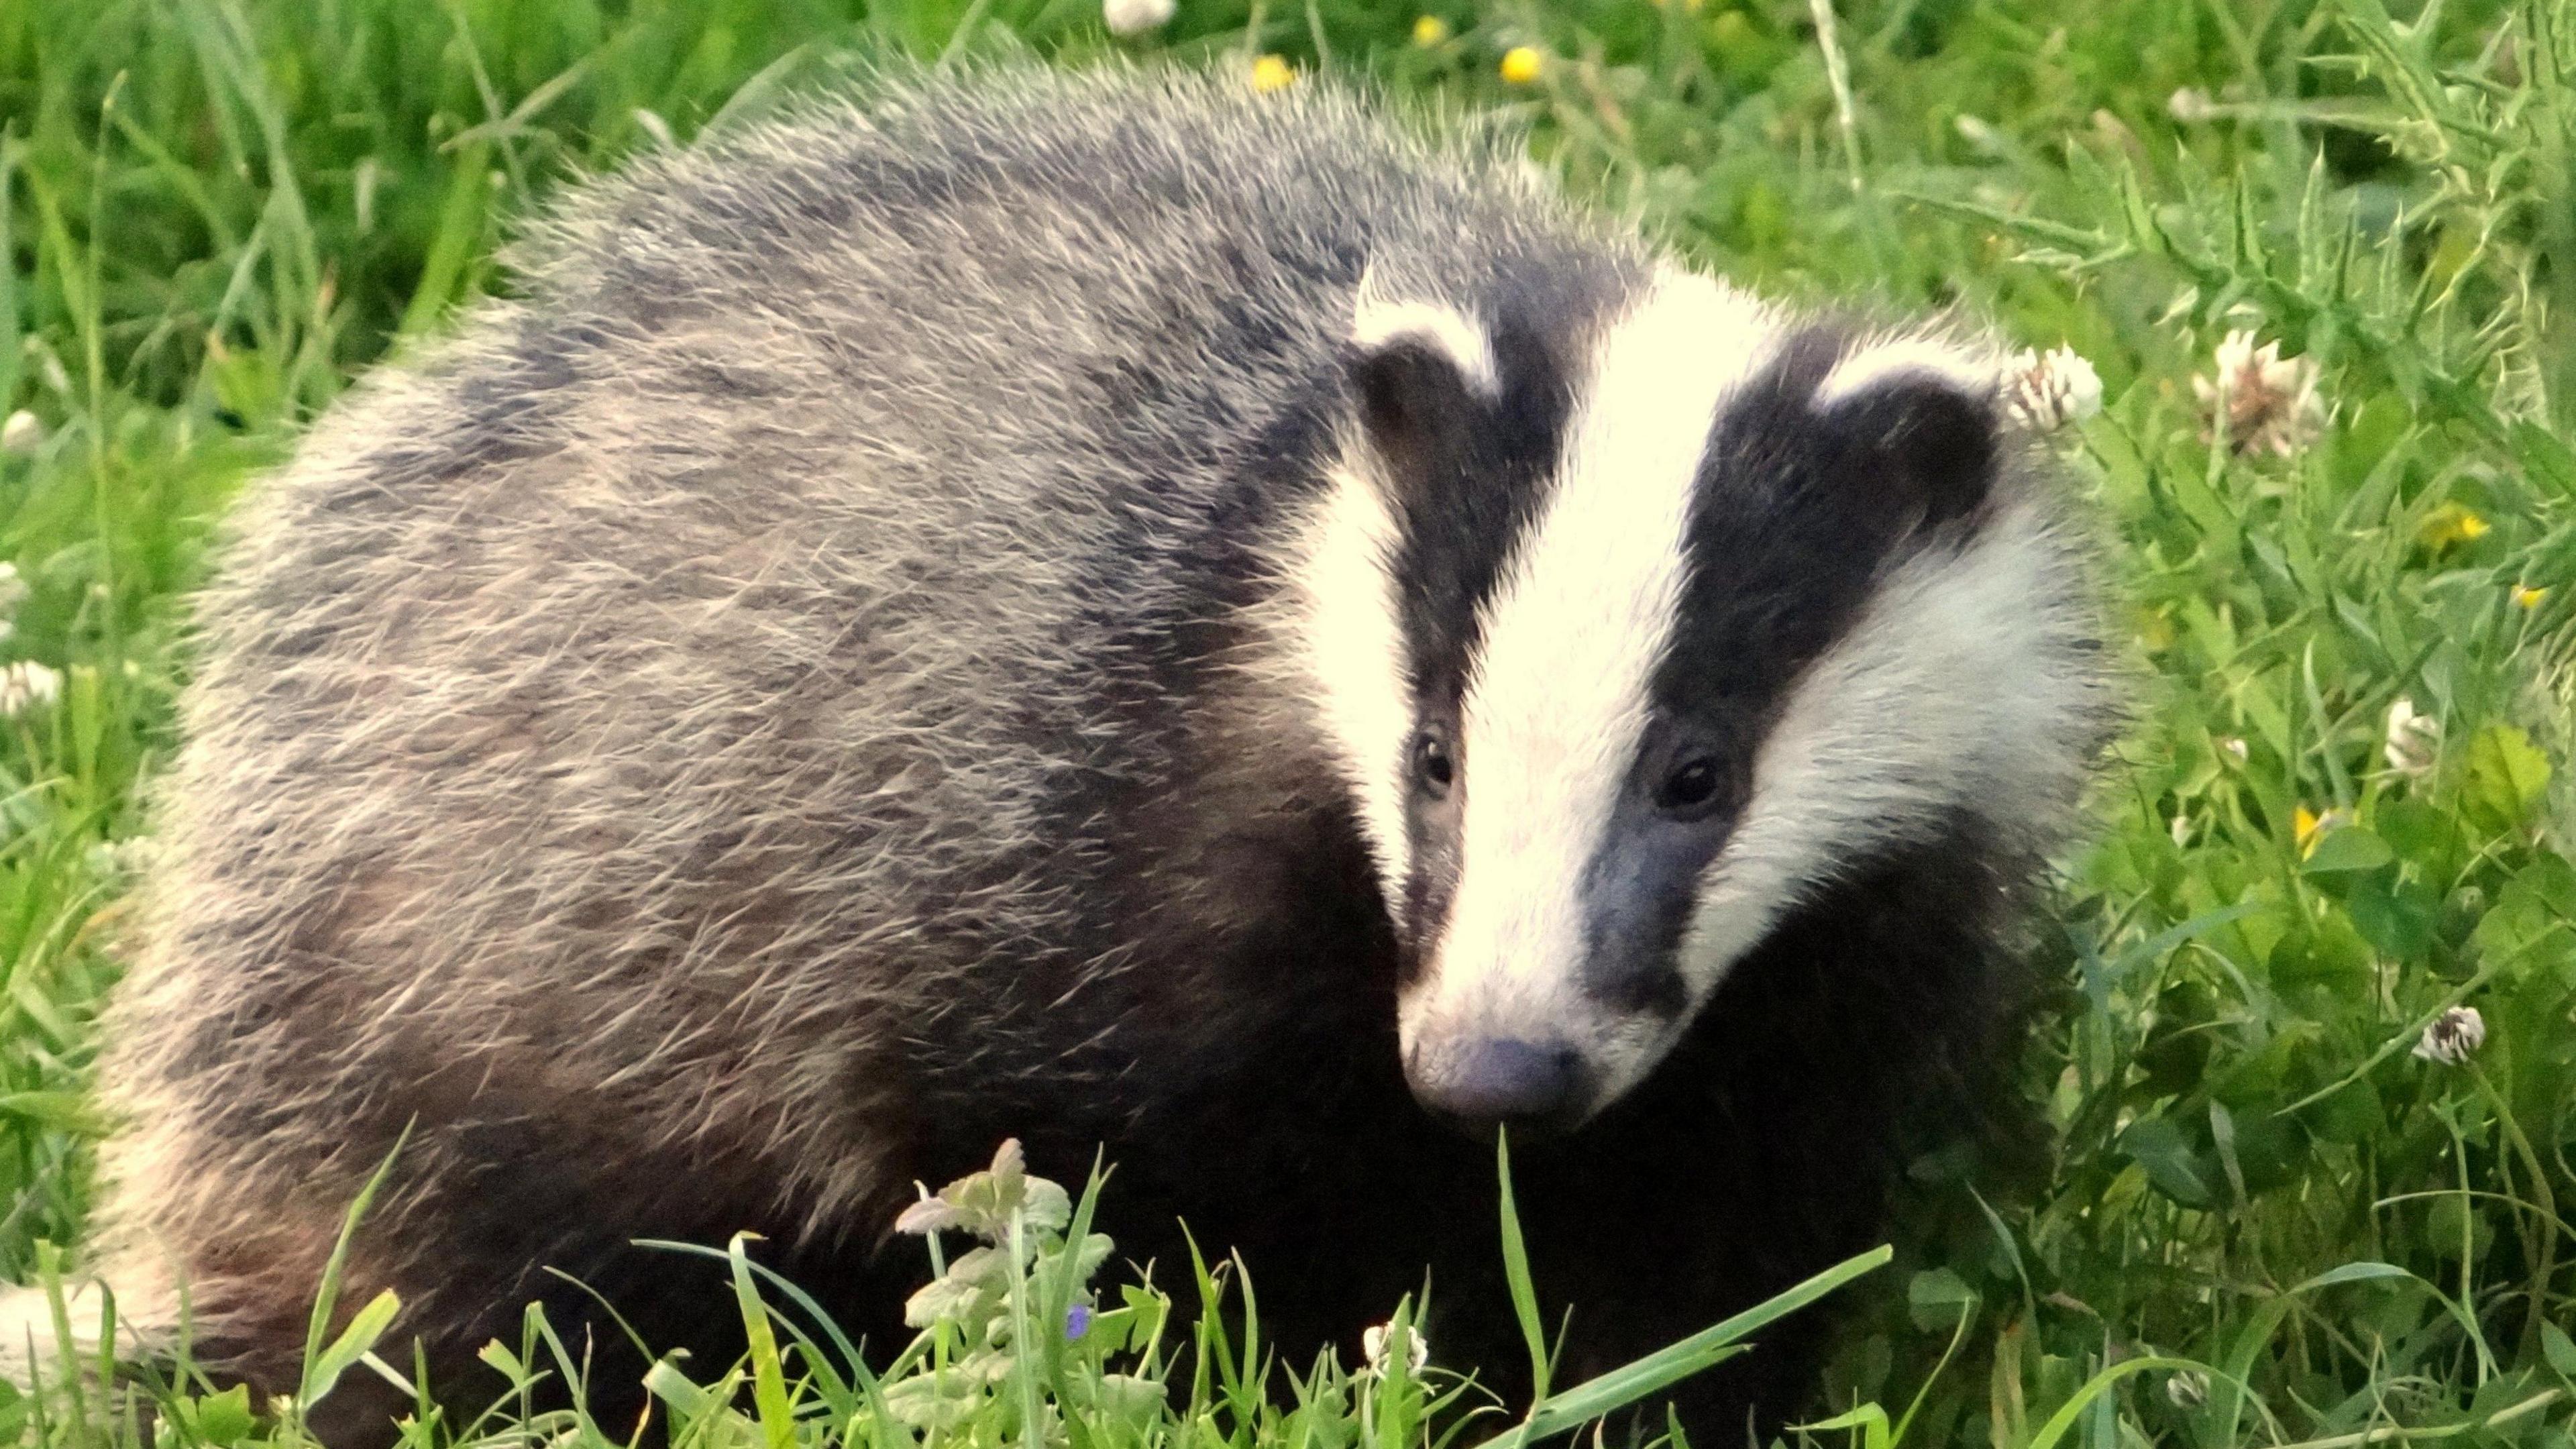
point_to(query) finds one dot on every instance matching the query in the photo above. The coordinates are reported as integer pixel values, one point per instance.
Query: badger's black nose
(1482, 1083)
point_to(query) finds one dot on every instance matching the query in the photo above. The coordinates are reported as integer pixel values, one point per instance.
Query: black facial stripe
(1470, 501)
(1798, 512)
(1461, 517)
(1641, 885)
(1633, 931)
(1469, 486)
(1429, 887)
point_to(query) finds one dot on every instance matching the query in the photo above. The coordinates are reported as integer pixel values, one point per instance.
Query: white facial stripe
(1967, 683)
(1451, 333)
(1557, 699)
(1971, 372)
(1354, 648)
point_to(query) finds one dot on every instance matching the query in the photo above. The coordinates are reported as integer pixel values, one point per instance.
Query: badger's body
(1116, 611)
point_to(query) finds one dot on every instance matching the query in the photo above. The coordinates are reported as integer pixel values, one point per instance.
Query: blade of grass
(1516, 1272)
(326, 1299)
(768, 1378)
(1677, 1361)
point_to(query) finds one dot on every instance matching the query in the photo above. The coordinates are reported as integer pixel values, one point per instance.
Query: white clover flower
(1135, 17)
(2454, 1037)
(2048, 390)
(369, 175)
(122, 860)
(22, 434)
(2190, 104)
(49, 367)
(2413, 739)
(13, 592)
(27, 685)
(2270, 402)
(1417, 1349)
(2188, 1389)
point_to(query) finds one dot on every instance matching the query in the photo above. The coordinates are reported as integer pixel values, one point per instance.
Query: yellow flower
(2525, 596)
(1429, 31)
(1521, 64)
(1272, 73)
(2452, 524)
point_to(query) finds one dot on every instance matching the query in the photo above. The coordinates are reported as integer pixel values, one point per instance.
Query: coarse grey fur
(802, 694)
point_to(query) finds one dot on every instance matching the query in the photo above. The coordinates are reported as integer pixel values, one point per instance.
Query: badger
(1244, 634)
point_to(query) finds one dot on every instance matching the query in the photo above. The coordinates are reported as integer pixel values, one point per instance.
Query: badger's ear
(1421, 374)
(1919, 420)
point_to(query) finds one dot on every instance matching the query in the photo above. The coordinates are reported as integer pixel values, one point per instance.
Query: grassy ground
(2267, 1220)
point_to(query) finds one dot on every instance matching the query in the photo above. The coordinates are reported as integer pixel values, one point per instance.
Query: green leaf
(2353, 1273)
(2559, 1349)
(58, 1111)
(354, 1343)
(688, 1402)
(2349, 1115)
(2506, 775)
(2352, 848)
(505, 1363)
(768, 1378)
(2164, 1150)
(326, 1299)
(1937, 1298)
(2331, 953)
(2547, 458)
(1870, 1419)
(2397, 917)
(2537, 904)
(221, 1419)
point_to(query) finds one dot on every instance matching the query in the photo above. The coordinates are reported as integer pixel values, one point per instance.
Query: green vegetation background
(214, 212)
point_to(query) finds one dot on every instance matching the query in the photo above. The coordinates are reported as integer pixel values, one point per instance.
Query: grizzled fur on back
(829, 679)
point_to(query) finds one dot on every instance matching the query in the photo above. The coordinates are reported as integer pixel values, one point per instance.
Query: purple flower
(1077, 1321)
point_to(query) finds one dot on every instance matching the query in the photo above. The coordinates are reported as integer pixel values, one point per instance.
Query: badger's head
(1635, 632)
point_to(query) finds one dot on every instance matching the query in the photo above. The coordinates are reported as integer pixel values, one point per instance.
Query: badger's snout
(1480, 1082)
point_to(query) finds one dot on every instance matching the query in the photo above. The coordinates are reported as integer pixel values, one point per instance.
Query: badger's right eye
(1689, 790)
(1433, 768)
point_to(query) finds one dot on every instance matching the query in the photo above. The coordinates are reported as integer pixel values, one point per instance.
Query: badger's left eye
(1433, 768)
(1690, 787)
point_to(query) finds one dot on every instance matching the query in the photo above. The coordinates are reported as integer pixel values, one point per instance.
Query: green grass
(214, 212)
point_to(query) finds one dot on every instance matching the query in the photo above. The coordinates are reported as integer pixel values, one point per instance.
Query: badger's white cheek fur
(1952, 692)
(1351, 652)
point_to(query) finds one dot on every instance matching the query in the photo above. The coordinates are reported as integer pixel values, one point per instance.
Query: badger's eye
(1433, 769)
(1691, 787)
